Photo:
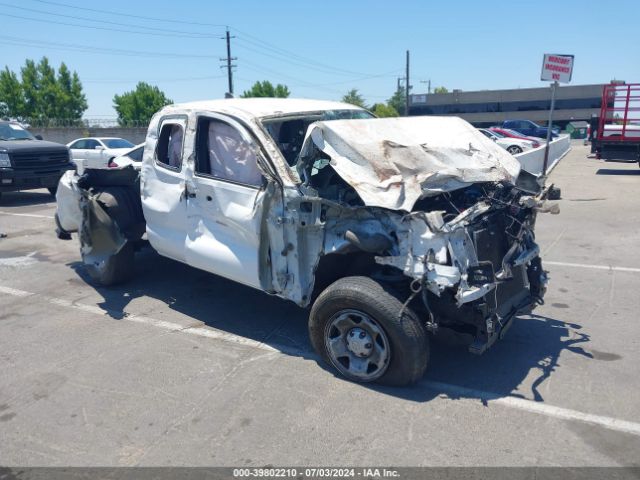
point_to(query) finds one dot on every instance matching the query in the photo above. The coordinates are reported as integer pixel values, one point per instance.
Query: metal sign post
(554, 85)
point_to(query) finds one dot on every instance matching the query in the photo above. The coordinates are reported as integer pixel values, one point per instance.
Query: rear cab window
(170, 146)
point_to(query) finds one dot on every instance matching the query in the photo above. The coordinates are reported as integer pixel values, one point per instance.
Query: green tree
(31, 90)
(39, 95)
(440, 90)
(266, 89)
(354, 98)
(11, 95)
(139, 105)
(70, 89)
(49, 94)
(398, 101)
(382, 110)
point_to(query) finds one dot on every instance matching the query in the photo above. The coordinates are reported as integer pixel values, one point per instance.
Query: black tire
(116, 269)
(53, 190)
(514, 149)
(407, 338)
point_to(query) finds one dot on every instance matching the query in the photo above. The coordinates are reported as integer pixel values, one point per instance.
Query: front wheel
(358, 327)
(514, 150)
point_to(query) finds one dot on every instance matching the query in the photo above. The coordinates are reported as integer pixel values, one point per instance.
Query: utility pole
(407, 88)
(229, 66)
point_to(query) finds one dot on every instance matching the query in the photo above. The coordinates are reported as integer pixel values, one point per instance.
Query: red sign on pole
(557, 68)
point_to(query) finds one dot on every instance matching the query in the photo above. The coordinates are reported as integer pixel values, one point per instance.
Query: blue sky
(318, 49)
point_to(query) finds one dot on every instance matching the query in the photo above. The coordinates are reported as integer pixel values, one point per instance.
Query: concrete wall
(65, 135)
(532, 160)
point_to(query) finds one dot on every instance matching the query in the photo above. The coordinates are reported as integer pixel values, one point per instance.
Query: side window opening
(222, 152)
(169, 148)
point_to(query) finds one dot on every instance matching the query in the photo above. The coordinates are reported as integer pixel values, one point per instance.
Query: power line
(94, 27)
(157, 80)
(24, 42)
(123, 14)
(292, 61)
(165, 31)
(288, 54)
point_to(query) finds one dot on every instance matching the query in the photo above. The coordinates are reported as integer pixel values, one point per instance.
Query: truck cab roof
(248, 108)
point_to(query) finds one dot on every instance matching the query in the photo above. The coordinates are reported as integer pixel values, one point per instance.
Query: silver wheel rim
(357, 346)
(513, 150)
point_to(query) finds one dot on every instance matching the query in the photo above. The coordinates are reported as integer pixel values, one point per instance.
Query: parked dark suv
(27, 162)
(529, 128)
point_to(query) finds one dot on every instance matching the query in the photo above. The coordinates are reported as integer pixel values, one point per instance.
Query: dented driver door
(225, 201)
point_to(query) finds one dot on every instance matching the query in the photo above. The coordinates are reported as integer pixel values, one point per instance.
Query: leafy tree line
(39, 93)
(394, 107)
(138, 106)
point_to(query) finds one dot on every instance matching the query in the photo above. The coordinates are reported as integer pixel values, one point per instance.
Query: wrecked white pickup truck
(389, 228)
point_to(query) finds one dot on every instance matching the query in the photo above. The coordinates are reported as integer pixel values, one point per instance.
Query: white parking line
(537, 407)
(33, 215)
(610, 423)
(200, 331)
(594, 267)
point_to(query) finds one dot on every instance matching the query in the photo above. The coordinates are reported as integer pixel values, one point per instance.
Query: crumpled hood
(393, 162)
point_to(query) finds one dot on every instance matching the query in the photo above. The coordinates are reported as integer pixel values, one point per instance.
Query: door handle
(187, 193)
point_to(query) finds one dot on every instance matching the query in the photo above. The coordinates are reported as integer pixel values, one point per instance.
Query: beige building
(491, 107)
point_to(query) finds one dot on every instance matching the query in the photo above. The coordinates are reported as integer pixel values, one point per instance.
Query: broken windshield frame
(288, 131)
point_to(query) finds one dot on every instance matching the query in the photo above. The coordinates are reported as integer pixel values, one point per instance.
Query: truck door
(225, 201)
(163, 189)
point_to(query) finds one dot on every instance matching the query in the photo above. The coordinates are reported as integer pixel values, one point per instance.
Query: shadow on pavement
(614, 171)
(25, 199)
(533, 344)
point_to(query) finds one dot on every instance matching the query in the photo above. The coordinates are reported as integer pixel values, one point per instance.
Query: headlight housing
(5, 162)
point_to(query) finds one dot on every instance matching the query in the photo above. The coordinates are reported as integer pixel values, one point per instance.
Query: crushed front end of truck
(442, 212)
(473, 260)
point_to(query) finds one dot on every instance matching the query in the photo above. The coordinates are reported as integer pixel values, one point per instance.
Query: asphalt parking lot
(180, 367)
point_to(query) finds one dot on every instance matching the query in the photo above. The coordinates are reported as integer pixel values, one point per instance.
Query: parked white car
(96, 152)
(510, 144)
(131, 157)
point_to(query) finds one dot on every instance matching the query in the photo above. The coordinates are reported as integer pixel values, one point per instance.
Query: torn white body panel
(68, 198)
(393, 162)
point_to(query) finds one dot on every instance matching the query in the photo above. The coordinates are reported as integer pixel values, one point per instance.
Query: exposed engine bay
(465, 249)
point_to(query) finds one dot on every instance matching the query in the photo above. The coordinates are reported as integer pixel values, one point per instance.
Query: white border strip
(33, 215)
(593, 267)
(610, 423)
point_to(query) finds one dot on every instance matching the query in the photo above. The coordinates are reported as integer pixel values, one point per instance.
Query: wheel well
(334, 266)
(124, 206)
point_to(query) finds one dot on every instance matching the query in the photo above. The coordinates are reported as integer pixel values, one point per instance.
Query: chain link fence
(106, 122)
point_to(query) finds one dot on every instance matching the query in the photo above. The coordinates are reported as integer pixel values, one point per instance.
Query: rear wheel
(514, 149)
(358, 327)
